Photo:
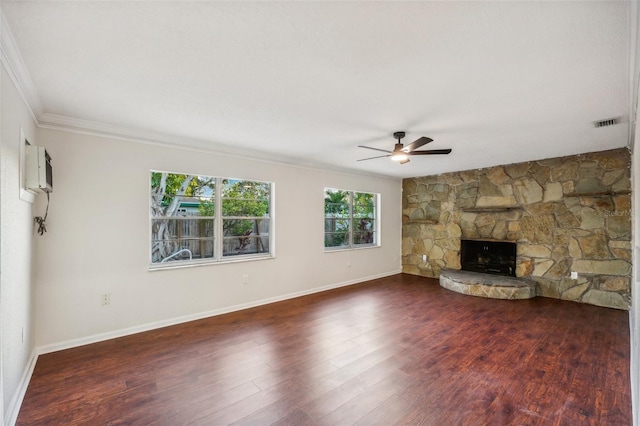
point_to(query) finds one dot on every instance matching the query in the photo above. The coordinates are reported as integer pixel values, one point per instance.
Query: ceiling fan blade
(417, 144)
(371, 158)
(375, 149)
(430, 152)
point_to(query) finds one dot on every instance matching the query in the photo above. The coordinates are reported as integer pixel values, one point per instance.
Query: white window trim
(377, 210)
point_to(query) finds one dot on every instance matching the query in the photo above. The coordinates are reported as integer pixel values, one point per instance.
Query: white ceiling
(307, 82)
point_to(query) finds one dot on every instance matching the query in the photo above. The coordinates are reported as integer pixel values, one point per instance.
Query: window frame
(218, 237)
(351, 220)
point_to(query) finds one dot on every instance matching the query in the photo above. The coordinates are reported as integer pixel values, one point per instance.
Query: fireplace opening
(490, 257)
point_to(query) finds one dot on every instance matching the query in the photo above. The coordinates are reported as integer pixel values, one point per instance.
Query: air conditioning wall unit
(39, 172)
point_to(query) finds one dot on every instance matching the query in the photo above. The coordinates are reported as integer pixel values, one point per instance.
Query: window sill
(336, 249)
(199, 263)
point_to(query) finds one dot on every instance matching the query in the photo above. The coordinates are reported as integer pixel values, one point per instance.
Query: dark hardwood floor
(397, 350)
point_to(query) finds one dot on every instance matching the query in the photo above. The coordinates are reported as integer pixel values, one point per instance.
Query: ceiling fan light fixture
(401, 153)
(400, 157)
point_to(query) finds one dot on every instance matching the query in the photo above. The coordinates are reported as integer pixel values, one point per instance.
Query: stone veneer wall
(566, 214)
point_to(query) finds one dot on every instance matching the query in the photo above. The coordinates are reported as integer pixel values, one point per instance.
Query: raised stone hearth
(487, 285)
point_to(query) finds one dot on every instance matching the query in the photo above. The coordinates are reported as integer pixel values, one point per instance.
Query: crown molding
(100, 129)
(12, 60)
(97, 128)
(164, 140)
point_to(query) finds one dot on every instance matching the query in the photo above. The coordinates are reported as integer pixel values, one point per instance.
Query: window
(350, 219)
(196, 219)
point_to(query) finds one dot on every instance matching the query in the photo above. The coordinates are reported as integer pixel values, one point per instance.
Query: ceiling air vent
(607, 122)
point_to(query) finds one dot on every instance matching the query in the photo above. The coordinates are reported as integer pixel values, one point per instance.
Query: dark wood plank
(397, 350)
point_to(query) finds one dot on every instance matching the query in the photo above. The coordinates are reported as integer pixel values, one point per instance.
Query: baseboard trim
(68, 344)
(16, 402)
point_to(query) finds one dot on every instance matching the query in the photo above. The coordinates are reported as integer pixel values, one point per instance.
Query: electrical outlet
(105, 299)
(424, 257)
(348, 264)
(245, 279)
(574, 275)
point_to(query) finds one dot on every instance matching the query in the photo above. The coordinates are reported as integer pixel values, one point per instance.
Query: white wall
(16, 249)
(98, 240)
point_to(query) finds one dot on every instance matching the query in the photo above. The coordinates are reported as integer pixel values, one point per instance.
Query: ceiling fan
(401, 153)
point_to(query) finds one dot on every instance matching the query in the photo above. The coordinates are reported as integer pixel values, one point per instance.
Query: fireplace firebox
(490, 257)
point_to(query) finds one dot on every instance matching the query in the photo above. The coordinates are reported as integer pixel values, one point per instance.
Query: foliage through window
(349, 219)
(205, 218)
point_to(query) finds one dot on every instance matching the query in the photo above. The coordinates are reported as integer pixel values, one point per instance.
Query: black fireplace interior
(490, 257)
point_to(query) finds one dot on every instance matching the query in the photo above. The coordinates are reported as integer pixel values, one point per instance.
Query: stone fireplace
(568, 214)
(489, 257)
